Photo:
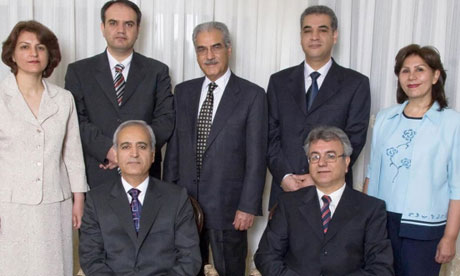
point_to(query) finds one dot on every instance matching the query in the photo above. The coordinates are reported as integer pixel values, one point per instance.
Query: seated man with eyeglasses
(329, 228)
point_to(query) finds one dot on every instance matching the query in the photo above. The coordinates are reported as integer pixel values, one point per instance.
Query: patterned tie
(204, 126)
(119, 83)
(313, 91)
(136, 207)
(326, 212)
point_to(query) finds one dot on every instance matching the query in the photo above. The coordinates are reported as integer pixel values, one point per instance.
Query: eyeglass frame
(334, 160)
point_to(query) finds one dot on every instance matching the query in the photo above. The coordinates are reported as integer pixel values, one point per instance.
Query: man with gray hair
(316, 92)
(217, 151)
(138, 225)
(328, 228)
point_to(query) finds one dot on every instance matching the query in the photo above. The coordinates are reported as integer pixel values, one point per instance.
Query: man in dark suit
(316, 92)
(217, 150)
(328, 228)
(138, 225)
(116, 86)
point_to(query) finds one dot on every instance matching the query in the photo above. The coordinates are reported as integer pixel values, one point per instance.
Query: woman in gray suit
(41, 161)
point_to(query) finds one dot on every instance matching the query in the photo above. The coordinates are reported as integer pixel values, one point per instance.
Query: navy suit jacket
(234, 165)
(343, 101)
(167, 242)
(147, 97)
(356, 242)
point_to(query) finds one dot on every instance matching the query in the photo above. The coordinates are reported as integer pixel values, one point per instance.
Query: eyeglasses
(329, 157)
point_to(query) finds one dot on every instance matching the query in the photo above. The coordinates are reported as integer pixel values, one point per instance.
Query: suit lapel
(329, 88)
(120, 206)
(135, 76)
(296, 88)
(105, 79)
(343, 214)
(311, 211)
(17, 104)
(193, 107)
(226, 107)
(151, 207)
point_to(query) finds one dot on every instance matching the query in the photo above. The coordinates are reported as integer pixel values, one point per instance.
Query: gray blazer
(167, 242)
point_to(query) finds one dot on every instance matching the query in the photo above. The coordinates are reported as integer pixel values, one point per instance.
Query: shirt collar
(142, 187)
(112, 61)
(432, 113)
(323, 70)
(221, 82)
(335, 196)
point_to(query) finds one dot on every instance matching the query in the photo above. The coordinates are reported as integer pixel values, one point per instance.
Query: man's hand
(112, 160)
(294, 182)
(243, 221)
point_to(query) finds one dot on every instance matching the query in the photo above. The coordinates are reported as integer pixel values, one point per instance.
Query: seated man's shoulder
(169, 189)
(367, 200)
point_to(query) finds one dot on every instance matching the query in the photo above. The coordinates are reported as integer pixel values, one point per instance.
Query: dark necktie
(204, 125)
(136, 207)
(313, 90)
(326, 212)
(119, 83)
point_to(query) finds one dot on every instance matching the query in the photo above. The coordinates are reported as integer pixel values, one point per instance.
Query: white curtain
(266, 39)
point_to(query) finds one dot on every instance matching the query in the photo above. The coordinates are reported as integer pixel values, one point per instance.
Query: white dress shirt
(126, 63)
(218, 92)
(335, 198)
(142, 187)
(323, 71)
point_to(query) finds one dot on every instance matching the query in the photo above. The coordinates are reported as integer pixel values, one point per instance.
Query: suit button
(119, 121)
(325, 252)
(136, 269)
(302, 170)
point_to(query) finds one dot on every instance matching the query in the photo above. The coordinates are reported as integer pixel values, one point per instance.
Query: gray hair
(319, 9)
(213, 25)
(328, 133)
(134, 123)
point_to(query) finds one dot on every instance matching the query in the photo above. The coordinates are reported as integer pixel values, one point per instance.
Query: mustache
(210, 62)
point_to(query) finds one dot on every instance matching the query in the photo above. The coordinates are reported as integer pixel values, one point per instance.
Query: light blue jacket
(434, 176)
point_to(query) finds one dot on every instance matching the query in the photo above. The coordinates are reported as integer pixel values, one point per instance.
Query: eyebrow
(319, 27)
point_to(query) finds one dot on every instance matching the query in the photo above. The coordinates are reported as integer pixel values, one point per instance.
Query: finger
(74, 221)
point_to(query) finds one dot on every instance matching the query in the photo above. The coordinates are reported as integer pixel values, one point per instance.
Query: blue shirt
(434, 173)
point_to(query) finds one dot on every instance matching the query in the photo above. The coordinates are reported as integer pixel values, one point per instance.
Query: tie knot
(119, 67)
(212, 86)
(326, 199)
(314, 75)
(134, 193)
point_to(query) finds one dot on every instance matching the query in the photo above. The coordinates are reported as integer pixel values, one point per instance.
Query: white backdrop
(266, 39)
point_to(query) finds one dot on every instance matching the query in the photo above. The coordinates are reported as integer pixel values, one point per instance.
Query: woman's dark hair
(431, 56)
(44, 35)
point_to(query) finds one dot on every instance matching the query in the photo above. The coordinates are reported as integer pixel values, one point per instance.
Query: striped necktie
(326, 212)
(136, 208)
(119, 83)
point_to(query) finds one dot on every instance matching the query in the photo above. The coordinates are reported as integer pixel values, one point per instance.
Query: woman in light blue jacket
(415, 165)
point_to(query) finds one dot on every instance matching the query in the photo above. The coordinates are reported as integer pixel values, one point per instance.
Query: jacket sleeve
(94, 141)
(187, 242)
(171, 163)
(91, 244)
(269, 258)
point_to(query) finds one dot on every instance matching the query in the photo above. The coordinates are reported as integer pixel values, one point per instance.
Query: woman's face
(30, 55)
(417, 78)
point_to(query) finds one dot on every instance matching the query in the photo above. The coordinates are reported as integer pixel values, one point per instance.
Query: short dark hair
(431, 56)
(329, 133)
(319, 9)
(126, 3)
(44, 35)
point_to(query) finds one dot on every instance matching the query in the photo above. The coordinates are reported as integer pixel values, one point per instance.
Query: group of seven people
(222, 132)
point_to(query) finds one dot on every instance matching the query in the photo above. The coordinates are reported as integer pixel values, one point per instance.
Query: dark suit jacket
(167, 243)
(234, 167)
(147, 97)
(343, 101)
(356, 242)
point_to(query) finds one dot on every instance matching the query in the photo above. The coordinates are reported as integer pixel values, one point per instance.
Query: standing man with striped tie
(328, 228)
(119, 85)
(217, 151)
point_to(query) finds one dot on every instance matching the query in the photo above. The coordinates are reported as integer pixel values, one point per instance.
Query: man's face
(134, 152)
(120, 28)
(326, 173)
(317, 38)
(211, 53)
